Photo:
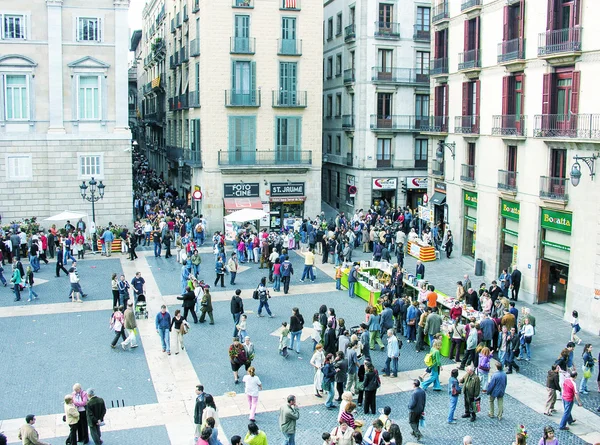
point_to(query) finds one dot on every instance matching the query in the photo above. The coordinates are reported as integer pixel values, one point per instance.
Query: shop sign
(510, 210)
(416, 183)
(385, 183)
(287, 189)
(439, 186)
(559, 221)
(241, 190)
(426, 214)
(556, 245)
(515, 254)
(470, 198)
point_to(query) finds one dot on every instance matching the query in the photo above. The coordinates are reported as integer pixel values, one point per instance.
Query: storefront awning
(438, 198)
(287, 198)
(233, 204)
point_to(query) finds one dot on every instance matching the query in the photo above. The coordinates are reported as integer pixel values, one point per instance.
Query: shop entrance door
(553, 282)
(506, 258)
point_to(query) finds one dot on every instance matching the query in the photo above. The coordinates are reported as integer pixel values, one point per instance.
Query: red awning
(233, 204)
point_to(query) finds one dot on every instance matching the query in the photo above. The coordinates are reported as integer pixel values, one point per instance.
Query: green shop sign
(470, 198)
(510, 210)
(559, 221)
(556, 246)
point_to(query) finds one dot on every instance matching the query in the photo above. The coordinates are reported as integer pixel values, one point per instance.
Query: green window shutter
(253, 93)
(232, 133)
(251, 121)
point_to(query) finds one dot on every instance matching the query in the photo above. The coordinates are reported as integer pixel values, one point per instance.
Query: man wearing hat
(95, 410)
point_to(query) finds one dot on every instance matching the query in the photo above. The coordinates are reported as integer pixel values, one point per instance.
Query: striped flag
(290, 4)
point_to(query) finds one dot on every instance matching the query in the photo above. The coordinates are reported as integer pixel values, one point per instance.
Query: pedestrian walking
(75, 288)
(393, 353)
(588, 367)
(469, 356)
(95, 410)
(370, 384)
(28, 434)
(180, 327)
(284, 340)
(288, 416)
(317, 361)
(220, 272)
(124, 287)
(569, 395)
(252, 386)
(241, 327)
(130, 327)
(162, 323)
(255, 436)
(513, 350)
(29, 284)
(287, 270)
(71, 418)
(16, 280)
(206, 306)
(237, 358)
(263, 297)
(454, 390)
(483, 368)
(352, 359)
(276, 270)
(80, 400)
(552, 385)
(416, 408)
(471, 388)
(117, 324)
(114, 285)
(435, 365)
(199, 406)
(189, 301)
(233, 267)
(375, 329)
(139, 286)
(296, 326)
(496, 389)
(237, 309)
(341, 372)
(309, 262)
(250, 352)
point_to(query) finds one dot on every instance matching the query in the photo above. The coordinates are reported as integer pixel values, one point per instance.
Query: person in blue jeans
(163, 328)
(393, 352)
(277, 275)
(352, 279)
(569, 395)
(296, 326)
(527, 335)
(288, 415)
(454, 390)
(436, 367)
(157, 240)
(328, 381)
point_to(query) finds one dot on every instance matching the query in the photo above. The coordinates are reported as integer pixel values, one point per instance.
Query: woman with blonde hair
(317, 361)
(252, 386)
(71, 418)
(483, 368)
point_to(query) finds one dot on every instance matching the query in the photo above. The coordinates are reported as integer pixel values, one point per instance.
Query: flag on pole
(290, 4)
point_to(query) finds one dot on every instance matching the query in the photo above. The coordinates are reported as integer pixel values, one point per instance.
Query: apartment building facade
(515, 132)
(232, 106)
(64, 115)
(375, 102)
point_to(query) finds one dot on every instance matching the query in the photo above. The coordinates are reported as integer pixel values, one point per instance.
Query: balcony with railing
(560, 43)
(387, 30)
(469, 60)
(178, 103)
(193, 158)
(289, 99)
(440, 12)
(183, 55)
(511, 51)
(348, 122)
(174, 153)
(194, 99)
(467, 173)
(385, 160)
(349, 77)
(242, 98)
(195, 48)
(243, 4)
(554, 189)
(290, 5)
(466, 124)
(350, 33)
(158, 83)
(567, 126)
(422, 33)
(398, 123)
(435, 124)
(439, 67)
(507, 181)
(282, 156)
(437, 168)
(509, 125)
(289, 47)
(242, 45)
(470, 5)
(409, 76)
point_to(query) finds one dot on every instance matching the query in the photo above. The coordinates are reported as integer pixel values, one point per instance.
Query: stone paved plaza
(52, 343)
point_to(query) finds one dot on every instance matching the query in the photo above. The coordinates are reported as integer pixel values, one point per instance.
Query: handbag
(587, 372)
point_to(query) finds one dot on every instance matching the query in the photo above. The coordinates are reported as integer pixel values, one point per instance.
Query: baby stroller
(140, 308)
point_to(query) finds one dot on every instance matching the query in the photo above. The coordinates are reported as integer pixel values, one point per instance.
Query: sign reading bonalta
(559, 221)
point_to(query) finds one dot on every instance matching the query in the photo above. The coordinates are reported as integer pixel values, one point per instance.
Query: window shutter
(466, 36)
(521, 21)
(100, 29)
(252, 133)
(505, 93)
(505, 26)
(546, 93)
(575, 92)
(551, 18)
(232, 122)
(445, 90)
(476, 47)
(465, 98)
(575, 17)
(253, 92)
(436, 47)
(477, 92)
(232, 76)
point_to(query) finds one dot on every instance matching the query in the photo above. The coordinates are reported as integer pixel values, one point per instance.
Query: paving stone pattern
(155, 435)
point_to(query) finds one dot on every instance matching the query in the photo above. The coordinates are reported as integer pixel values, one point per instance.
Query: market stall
(420, 251)
(372, 275)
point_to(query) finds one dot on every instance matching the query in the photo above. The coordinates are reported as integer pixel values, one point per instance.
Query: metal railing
(574, 126)
(436, 124)
(507, 180)
(422, 33)
(192, 157)
(194, 99)
(289, 99)
(399, 122)
(437, 168)
(289, 47)
(387, 30)
(439, 66)
(385, 162)
(566, 40)
(174, 153)
(350, 33)
(242, 45)
(509, 125)
(242, 98)
(469, 59)
(554, 188)
(399, 75)
(282, 155)
(467, 173)
(349, 76)
(440, 12)
(195, 48)
(511, 50)
(468, 4)
(348, 121)
(243, 4)
(293, 5)
(466, 124)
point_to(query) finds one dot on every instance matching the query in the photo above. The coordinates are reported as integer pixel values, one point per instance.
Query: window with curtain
(16, 96)
(287, 143)
(420, 153)
(89, 97)
(384, 149)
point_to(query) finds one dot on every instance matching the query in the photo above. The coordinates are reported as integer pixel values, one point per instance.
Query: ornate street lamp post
(96, 194)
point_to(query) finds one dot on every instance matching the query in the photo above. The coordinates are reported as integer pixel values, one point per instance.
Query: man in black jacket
(515, 279)
(416, 407)
(199, 410)
(95, 410)
(237, 309)
(512, 350)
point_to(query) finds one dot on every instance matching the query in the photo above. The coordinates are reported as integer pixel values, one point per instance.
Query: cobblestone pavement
(139, 436)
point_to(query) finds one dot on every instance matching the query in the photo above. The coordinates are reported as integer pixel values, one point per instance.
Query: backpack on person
(428, 359)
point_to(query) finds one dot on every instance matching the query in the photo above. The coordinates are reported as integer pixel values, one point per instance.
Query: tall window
(242, 139)
(288, 139)
(287, 83)
(420, 153)
(329, 67)
(14, 26)
(421, 110)
(338, 145)
(89, 97)
(338, 24)
(330, 28)
(558, 163)
(384, 152)
(423, 63)
(384, 105)
(384, 58)
(385, 15)
(16, 96)
(338, 65)
(329, 144)
(511, 158)
(338, 184)
(338, 104)
(471, 153)
(288, 35)
(329, 108)
(242, 33)
(423, 14)
(243, 83)
(89, 29)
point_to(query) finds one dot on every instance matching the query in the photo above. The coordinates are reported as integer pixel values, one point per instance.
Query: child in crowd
(241, 327)
(327, 439)
(284, 340)
(575, 328)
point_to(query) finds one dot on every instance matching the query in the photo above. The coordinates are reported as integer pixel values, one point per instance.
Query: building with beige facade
(232, 104)
(375, 101)
(64, 115)
(515, 131)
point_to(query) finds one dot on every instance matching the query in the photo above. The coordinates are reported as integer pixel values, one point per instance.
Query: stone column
(55, 67)
(121, 76)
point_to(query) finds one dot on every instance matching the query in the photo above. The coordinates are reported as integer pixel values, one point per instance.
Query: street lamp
(93, 198)
(439, 153)
(181, 164)
(590, 161)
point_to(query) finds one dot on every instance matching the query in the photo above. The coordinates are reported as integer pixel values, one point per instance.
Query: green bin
(446, 343)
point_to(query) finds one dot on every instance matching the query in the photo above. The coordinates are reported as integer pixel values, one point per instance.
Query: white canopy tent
(245, 215)
(67, 215)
